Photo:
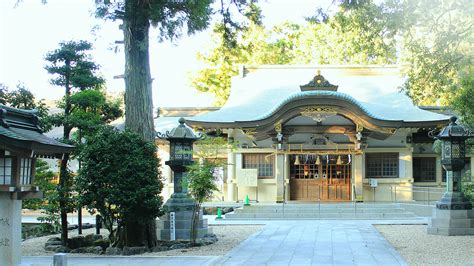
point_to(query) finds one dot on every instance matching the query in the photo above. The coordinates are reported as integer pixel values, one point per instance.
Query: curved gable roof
(265, 89)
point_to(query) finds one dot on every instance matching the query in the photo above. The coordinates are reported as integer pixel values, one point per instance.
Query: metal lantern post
(176, 223)
(453, 214)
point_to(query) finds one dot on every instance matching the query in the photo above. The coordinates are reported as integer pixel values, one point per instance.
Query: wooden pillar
(357, 173)
(231, 177)
(280, 176)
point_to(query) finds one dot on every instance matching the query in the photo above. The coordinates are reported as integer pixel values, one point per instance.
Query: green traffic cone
(219, 213)
(247, 200)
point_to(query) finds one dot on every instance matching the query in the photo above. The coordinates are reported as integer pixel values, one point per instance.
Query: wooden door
(327, 181)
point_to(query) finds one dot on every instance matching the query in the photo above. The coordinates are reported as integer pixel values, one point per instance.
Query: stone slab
(10, 230)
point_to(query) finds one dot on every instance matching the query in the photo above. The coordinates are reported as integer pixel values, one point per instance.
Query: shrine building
(323, 133)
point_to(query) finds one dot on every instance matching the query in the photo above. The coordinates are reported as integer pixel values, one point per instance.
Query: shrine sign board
(247, 177)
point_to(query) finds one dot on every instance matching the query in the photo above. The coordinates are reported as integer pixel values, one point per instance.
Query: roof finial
(318, 83)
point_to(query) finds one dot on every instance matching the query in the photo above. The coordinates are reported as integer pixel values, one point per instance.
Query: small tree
(121, 180)
(202, 175)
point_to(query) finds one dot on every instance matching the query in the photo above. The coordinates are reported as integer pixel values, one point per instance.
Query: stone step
(245, 216)
(324, 206)
(317, 210)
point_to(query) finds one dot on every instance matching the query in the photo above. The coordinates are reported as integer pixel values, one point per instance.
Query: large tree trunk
(138, 95)
(138, 99)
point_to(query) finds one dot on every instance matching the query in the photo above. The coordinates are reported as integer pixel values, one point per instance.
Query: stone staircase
(348, 211)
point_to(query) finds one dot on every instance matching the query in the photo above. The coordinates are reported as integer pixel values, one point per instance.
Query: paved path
(294, 242)
(322, 242)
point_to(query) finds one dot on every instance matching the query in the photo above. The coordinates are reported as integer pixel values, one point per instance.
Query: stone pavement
(290, 242)
(315, 242)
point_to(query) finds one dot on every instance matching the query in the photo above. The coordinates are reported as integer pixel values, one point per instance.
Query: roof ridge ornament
(319, 83)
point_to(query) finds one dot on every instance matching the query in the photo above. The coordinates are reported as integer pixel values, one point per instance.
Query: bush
(120, 179)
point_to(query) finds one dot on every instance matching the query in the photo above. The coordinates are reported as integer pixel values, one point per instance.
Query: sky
(31, 29)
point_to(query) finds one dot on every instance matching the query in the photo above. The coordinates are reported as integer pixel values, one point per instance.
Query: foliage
(170, 17)
(44, 180)
(432, 40)
(437, 47)
(121, 180)
(49, 204)
(468, 186)
(364, 34)
(463, 101)
(202, 175)
(3, 93)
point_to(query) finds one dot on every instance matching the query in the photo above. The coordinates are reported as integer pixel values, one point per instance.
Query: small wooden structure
(21, 143)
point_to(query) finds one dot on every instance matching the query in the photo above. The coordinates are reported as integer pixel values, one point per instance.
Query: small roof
(19, 131)
(181, 131)
(260, 91)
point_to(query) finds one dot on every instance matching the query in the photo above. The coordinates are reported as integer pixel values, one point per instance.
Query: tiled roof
(19, 129)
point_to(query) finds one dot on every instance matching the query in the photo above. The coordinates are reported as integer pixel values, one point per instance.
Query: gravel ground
(419, 248)
(228, 236)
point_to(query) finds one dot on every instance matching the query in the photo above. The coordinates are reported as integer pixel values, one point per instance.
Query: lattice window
(262, 162)
(5, 171)
(25, 171)
(424, 169)
(381, 165)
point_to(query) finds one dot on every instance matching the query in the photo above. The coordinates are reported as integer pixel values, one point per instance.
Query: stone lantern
(453, 214)
(181, 139)
(21, 143)
(179, 207)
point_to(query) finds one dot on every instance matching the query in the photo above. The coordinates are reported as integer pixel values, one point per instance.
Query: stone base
(182, 205)
(451, 222)
(454, 201)
(183, 223)
(179, 202)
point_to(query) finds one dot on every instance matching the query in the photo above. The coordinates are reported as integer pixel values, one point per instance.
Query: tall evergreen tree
(170, 17)
(73, 70)
(137, 17)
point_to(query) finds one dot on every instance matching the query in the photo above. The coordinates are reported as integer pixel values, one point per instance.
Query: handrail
(355, 198)
(428, 190)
